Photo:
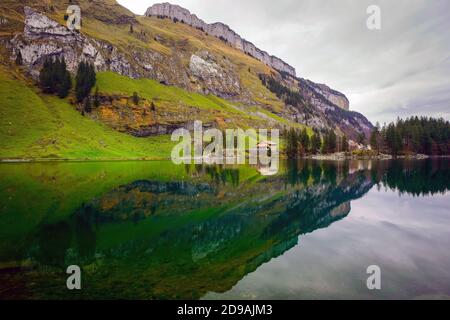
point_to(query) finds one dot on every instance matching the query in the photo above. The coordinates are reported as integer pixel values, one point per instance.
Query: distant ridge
(221, 31)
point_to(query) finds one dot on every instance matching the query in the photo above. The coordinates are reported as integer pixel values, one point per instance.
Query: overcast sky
(401, 70)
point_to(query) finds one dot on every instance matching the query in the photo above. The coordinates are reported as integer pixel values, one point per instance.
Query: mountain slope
(35, 126)
(195, 75)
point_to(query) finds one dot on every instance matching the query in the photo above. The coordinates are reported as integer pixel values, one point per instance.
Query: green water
(152, 230)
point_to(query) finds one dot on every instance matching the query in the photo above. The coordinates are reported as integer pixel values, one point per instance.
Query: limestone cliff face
(210, 77)
(325, 108)
(221, 31)
(44, 37)
(331, 95)
(334, 109)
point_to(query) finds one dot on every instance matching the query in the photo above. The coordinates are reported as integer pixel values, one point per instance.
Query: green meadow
(37, 126)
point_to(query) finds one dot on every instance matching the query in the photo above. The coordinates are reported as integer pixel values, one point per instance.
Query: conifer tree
(316, 143)
(344, 144)
(332, 141)
(65, 81)
(54, 77)
(136, 98)
(374, 136)
(85, 80)
(292, 143)
(304, 141)
(325, 143)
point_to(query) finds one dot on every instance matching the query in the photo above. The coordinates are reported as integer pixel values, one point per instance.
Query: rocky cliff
(333, 107)
(44, 37)
(331, 95)
(221, 31)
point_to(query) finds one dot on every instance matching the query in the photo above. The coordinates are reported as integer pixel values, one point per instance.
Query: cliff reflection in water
(163, 238)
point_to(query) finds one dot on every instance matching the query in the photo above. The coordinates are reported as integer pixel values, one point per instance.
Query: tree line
(422, 135)
(289, 96)
(300, 143)
(54, 78)
(416, 178)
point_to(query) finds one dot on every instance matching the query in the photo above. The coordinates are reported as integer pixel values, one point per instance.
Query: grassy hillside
(178, 105)
(36, 126)
(113, 83)
(105, 20)
(33, 125)
(108, 21)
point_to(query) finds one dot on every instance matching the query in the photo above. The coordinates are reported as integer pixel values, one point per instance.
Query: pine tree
(45, 76)
(292, 144)
(374, 136)
(332, 143)
(344, 144)
(393, 139)
(54, 77)
(80, 81)
(325, 143)
(136, 98)
(65, 81)
(316, 143)
(304, 141)
(397, 145)
(85, 80)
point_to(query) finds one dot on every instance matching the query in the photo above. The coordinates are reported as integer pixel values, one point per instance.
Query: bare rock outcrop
(221, 31)
(331, 95)
(211, 77)
(44, 37)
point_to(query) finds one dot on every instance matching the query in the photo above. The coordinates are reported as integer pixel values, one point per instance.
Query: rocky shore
(341, 156)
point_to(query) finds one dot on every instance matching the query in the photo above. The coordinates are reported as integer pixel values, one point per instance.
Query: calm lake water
(152, 230)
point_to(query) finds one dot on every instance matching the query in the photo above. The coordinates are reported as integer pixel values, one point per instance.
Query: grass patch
(35, 126)
(113, 83)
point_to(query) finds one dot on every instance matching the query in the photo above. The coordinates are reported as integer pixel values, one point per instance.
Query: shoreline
(327, 157)
(380, 157)
(43, 160)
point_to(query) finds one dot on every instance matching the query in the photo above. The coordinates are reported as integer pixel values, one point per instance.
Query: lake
(153, 230)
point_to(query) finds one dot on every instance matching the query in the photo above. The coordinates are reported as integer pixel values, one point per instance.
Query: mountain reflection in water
(156, 231)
